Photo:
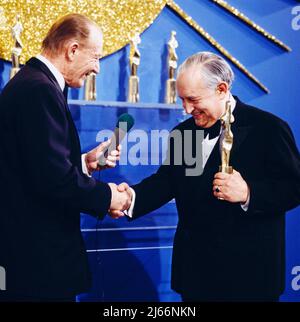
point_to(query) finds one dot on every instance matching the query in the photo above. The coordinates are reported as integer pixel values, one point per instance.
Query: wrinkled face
(206, 105)
(83, 59)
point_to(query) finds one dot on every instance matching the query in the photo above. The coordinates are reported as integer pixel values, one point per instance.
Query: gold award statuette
(226, 139)
(17, 47)
(172, 65)
(134, 61)
(90, 93)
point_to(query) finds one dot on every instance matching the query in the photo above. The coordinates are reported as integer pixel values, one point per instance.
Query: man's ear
(71, 50)
(222, 89)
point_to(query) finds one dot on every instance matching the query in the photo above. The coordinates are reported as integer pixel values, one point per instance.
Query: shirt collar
(57, 74)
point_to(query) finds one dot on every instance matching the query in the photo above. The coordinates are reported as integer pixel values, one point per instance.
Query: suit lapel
(239, 128)
(72, 126)
(239, 135)
(240, 131)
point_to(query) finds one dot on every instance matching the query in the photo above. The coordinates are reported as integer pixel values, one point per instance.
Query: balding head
(74, 46)
(70, 27)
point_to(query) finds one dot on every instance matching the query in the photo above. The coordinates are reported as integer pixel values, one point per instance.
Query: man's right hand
(120, 200)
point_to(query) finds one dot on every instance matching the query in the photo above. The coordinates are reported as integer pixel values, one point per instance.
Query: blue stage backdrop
(131, 261)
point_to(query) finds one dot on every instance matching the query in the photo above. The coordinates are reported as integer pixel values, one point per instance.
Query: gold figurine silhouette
(16, 31)
(227, 139)
(172, 65)
(134, 61)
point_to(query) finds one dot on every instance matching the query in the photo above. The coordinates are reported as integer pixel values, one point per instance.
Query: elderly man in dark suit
(230, 240)
(45, 181)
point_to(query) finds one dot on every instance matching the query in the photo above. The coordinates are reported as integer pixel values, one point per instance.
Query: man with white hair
(230, 239)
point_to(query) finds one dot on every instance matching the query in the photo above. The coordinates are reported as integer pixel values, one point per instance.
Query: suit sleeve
(156, 190)
(46, 154)
(153, 192)
(279, 191)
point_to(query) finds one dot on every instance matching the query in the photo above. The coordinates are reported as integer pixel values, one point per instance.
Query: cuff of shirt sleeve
(84, 167)
(245, 205)
(129, 212)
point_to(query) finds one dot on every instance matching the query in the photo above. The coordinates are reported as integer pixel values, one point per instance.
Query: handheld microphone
(124, 124)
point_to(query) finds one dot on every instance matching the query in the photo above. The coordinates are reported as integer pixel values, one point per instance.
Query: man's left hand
(230, 187)
(92, 157)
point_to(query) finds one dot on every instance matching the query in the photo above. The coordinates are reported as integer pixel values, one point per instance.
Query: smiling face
(82, 58)
(206, 105)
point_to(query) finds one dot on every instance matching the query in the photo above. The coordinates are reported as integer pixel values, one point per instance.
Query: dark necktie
(213, 131)
(65, 92)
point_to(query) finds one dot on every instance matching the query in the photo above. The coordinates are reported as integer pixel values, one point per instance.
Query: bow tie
(213, 131)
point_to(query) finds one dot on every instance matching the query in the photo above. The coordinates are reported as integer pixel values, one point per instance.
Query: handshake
(121, 197)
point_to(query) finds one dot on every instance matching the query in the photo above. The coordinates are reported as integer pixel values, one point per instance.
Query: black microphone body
(124, 124)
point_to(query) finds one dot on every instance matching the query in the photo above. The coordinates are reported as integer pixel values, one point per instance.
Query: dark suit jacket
(220, 251)
(43, 189)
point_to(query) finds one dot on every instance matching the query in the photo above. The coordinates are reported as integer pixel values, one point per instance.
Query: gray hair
(213, 68)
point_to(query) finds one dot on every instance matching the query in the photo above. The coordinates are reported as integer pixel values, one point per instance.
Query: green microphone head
(125, 122)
